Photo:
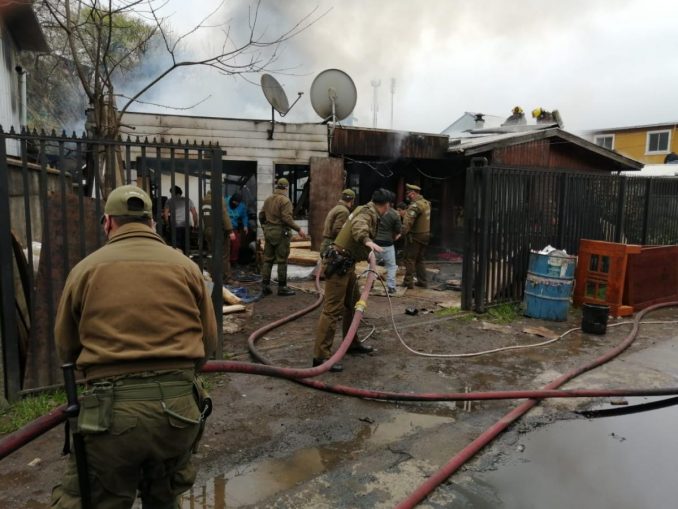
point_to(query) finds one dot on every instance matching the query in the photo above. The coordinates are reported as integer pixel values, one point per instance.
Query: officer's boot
(283, 289)
(266, 279)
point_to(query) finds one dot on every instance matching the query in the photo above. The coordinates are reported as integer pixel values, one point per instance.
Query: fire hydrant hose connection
(50, 420)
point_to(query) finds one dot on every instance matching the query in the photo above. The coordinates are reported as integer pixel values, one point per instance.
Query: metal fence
(511, 211)
(52, 196)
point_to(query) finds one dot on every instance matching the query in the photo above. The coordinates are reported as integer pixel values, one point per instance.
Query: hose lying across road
(43, 424)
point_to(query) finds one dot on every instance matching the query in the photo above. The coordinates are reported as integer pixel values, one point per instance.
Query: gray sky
(599, 62)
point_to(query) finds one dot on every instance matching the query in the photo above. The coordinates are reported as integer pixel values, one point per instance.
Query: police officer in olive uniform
(352, 245)
(137, 319)
(417, 231)
(206, 217)
(336, 218)
(277, 221)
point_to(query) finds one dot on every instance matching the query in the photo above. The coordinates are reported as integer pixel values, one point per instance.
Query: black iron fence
(52, 196)
(511, 211)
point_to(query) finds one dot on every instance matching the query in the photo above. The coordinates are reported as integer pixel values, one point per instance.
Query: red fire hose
(491, 433)
(21, 437)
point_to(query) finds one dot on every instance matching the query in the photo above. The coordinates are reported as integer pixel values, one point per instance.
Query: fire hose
(43, 424)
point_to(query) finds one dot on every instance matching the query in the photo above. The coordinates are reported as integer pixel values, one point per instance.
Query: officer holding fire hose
(352, 245)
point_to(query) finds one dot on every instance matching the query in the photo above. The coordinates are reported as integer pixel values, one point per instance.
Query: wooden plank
(235, 308)
(230, 297)
(300, 244)
(304, 257)
(141, 120)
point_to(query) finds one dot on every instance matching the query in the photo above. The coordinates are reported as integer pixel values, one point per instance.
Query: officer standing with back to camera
(417, 231)
(137, 319)
(352, 245)
(336, 218)
(277, 221)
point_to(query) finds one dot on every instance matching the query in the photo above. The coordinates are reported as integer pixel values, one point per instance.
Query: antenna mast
(392, 94)
(375, 101)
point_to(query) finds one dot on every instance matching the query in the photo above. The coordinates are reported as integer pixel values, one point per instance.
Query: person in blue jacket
(237, 211)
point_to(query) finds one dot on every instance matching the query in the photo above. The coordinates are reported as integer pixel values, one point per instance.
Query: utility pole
(375, 104)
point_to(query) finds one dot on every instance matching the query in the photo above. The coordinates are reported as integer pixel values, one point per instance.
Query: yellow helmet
(517, 110)
(536, 112)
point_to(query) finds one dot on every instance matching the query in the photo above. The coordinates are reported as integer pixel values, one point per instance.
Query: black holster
(337, 262)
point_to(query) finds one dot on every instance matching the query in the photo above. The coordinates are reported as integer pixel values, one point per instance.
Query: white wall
(9, 88)
(242, 140)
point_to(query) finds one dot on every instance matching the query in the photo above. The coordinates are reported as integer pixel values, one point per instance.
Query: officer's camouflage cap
(129, 201)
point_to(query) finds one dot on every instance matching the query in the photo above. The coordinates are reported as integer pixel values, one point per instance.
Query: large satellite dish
(277, 98)
(275, 94)
(333, 95)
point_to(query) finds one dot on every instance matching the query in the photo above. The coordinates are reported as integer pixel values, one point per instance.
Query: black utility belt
(383, 243)
(338, 261)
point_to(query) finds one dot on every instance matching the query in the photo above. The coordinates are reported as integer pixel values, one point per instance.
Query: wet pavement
(256, 481)
(274, 444)
(624, 462)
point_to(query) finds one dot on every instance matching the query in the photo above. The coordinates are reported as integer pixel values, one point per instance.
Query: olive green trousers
(341, 295)
(414, 262)
(276, 250)
(147, 449)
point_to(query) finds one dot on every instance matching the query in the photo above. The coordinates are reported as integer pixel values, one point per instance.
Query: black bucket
(594, 318)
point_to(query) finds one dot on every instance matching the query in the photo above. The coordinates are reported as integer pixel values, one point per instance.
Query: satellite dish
(333, 95)
(275, 94)
(277, 98)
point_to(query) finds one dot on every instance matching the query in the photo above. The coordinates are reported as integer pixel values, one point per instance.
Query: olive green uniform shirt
(277, 211)
(417, 220)
(335, 220)
(135, 305)
(360, 227)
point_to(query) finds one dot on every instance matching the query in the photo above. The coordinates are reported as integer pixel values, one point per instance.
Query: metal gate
(510, 211)
(52, 195)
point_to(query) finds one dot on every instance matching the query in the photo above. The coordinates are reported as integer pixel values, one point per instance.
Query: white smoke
(599, 63)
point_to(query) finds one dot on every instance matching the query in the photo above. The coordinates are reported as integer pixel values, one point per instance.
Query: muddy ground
(273, 443)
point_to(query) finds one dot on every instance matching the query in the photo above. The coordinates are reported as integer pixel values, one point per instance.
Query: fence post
(470, 213)
(218, 251)
(646, 209)
(483, 250)
(8, 330)
(621, 208)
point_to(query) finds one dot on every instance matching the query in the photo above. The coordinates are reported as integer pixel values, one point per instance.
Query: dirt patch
(274, 443)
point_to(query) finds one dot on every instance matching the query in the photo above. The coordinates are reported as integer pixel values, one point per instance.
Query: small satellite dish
(275, 94)
(333, 95)
(277, 98)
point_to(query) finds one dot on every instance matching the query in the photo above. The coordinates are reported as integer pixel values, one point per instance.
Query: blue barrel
(550, 279)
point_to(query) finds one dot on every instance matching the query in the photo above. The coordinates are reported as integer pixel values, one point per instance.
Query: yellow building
(649, 144)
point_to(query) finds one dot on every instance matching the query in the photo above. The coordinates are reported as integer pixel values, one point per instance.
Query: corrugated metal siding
(388, 144)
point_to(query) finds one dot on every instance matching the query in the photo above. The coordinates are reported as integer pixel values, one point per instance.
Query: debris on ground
(504, 329)
(541, 332)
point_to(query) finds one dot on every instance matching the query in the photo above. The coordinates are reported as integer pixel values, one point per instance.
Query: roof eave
(25, 28)
(550, 133)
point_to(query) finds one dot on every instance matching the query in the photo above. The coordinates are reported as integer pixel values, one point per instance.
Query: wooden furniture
(625, 277)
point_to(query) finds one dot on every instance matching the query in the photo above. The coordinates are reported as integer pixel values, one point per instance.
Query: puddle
(623, 462)
(251, 483)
